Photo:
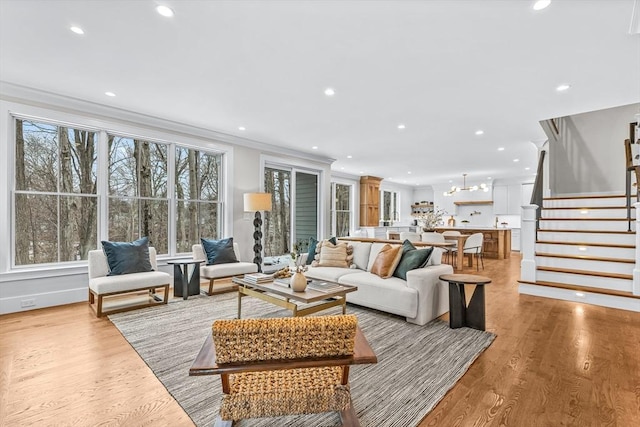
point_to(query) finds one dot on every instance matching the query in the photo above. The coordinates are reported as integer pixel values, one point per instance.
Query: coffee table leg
(239, 304)
(344, 305)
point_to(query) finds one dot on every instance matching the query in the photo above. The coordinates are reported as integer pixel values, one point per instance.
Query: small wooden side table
(461, 314)
(183, 285)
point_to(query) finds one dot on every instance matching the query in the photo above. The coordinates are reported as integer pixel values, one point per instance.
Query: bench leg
(99, 308)
(348, 417)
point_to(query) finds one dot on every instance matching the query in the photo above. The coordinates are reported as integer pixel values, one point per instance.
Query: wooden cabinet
(369, 201)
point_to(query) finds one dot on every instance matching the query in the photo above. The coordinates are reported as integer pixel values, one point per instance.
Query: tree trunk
(66, 240)
(143, 172)
(22, 241)
(86, 220)
(193, 194)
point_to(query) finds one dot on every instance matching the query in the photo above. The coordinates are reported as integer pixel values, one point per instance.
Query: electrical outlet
(28, 303)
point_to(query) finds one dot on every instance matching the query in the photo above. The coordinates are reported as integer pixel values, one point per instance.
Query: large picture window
(197, 197)
(63, 184)
(138, 203)
(56, 204)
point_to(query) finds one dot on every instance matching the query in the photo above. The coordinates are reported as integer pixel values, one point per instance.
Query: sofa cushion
(412, 258)
(386, 261)
(390, 295)
(361, 251)
(127, 257)
(329, 274)
(313, 243)
(373, 253)
(219, 251)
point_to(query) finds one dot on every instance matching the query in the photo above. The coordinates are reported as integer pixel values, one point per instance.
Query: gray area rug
(416, 366)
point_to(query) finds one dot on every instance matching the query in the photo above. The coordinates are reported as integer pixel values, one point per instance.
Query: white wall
(589, 155)
(67, 283)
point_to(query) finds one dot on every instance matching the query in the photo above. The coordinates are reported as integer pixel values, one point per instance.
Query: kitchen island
(497, 241)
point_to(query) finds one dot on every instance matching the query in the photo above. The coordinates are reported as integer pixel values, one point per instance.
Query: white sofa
(421, 298)
(101, 285)
(222, 271)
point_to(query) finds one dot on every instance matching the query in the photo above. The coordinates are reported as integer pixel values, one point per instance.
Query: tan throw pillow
(333, 255)
(387, 260)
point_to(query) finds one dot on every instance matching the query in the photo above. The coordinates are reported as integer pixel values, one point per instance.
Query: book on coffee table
(324, 286)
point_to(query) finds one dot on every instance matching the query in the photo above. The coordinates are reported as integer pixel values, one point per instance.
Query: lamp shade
(257, 202)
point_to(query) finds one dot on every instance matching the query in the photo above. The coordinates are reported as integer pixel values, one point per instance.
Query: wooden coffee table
(299, 303)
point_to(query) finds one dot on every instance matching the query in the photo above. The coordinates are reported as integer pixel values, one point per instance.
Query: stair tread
(586, 231)
(582, 288)
(603, 196)
(583, 207)
(585, 219)
(605, 245)
(586, 258)
(586, 272)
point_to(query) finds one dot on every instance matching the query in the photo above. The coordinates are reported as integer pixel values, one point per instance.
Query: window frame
(334, 211)
(102, 127)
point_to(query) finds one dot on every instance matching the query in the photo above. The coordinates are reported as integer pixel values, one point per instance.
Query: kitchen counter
(497, 241)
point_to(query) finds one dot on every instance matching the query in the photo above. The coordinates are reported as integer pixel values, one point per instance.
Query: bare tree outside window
(277, 223)
(341, 215)
(55, 193)
(197, 197)
(138, 203)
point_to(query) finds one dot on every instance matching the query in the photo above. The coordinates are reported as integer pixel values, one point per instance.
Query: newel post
(636, 267)
(528, 243)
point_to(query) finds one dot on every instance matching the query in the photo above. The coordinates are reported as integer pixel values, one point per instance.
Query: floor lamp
(256, 202)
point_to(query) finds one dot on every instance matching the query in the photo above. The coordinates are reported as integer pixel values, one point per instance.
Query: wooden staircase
(585, 252)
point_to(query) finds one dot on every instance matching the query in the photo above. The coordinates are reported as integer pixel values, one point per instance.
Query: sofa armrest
(433, 294)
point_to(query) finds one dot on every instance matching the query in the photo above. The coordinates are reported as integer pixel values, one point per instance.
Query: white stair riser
(585, 264)
(613, 238)
(622, 285)
(587, 213)
(568, 203)
(548, 224)
(594, 251)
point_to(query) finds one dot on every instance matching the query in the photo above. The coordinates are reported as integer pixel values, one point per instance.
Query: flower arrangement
(430, 219)
(298, 247)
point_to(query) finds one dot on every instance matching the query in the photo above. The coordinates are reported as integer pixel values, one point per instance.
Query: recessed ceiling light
(541, 4)
(361, 172)
(409, 172)
(527, 169)
(165, 11)
(349, 157)
(242, 128)
(315, 147)
(501, 149)
(516, 160)
(563, 87)
(479, 132)
(401, 126)
(329, 91)
(488, 177)
(342, 168)
(110, 94)
(77, 30)
(450, 180)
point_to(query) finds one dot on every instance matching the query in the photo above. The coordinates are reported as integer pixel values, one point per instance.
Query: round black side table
(461, 314)
(183, 285)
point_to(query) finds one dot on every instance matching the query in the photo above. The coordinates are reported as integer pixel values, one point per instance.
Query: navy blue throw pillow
(313, 243)
(219, 251)
(127, 257)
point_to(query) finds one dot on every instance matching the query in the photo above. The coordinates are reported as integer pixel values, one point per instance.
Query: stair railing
(630, 167)
(537, 194)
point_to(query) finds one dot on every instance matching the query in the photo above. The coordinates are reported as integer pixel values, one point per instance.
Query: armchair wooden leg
(210, 287)
(348, 416)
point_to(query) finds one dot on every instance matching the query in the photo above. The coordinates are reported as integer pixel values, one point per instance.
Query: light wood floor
(553, 363)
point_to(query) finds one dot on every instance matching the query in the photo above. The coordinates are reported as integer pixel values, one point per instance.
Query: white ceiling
(443, 68)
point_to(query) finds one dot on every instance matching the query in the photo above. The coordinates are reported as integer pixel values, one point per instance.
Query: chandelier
(454, 189)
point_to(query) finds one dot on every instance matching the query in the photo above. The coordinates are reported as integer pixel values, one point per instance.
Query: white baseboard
(49, 299)
(611, 301)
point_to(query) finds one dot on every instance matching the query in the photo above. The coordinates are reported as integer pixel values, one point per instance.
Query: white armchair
(101, 285)
(222, 271)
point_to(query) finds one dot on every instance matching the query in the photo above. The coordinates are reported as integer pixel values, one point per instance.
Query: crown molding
(12, 92)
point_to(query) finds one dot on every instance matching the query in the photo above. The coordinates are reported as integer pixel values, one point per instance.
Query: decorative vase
(298, 282)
